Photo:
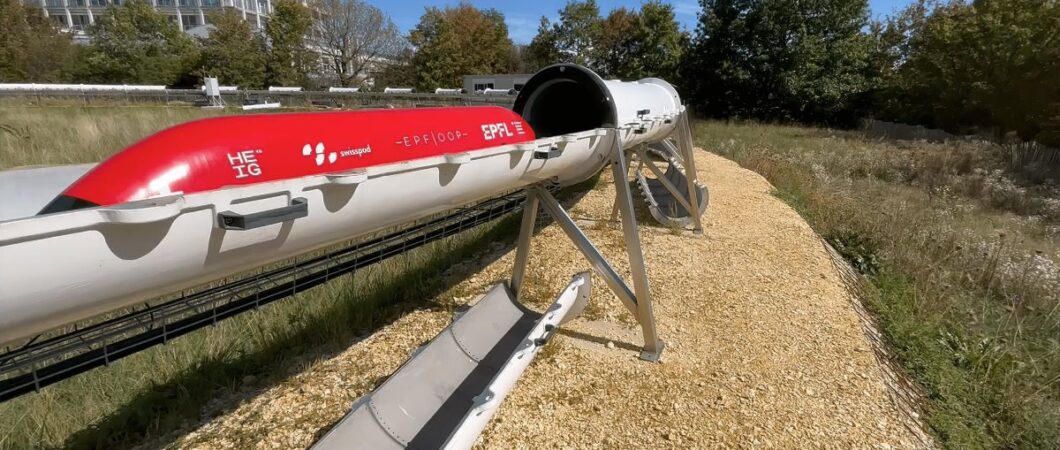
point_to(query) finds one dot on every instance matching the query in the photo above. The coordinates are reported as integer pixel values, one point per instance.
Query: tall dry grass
(963, 258)
(47, 135)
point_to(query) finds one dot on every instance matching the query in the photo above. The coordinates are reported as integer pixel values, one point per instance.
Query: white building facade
(76, 15)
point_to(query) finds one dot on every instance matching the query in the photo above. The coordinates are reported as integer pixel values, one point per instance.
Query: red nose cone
(236, 150)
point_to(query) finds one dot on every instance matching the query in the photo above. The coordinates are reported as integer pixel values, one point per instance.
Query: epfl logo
(308, 150)
(491, 131)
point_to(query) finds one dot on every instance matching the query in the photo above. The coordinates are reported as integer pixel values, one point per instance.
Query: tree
(617, 47)
(890, 47)
(634, 45)
(571, 39)
(663, 43)
(626, 44)
(517, 59)
(577, 31)
(543, 50)
(31, 49)
(988, 63)
(289, 59)
(399, 72)
(233, 52)
(354, 37)
(801, 60)
(716, 75)
(458, 41)
(134, 43)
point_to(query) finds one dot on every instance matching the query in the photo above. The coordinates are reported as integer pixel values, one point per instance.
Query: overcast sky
(523, 15)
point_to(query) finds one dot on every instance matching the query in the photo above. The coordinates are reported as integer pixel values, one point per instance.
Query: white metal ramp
(445, 394)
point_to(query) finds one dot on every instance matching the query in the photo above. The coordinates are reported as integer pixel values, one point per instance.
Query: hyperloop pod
(208, 199)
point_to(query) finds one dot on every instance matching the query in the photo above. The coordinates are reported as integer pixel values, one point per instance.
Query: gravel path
(764, 348)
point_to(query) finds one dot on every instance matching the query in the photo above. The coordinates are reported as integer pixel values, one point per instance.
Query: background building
(476, 83)
(76, 15)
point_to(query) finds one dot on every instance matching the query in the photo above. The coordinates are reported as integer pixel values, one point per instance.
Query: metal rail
(294, 99)
(35, 365)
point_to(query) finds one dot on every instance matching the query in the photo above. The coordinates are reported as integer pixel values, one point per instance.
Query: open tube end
(566, 98)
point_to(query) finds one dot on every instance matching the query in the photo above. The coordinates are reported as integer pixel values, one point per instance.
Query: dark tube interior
(565, 98)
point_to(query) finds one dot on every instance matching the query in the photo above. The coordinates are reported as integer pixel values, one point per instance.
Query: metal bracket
(229, 220)
(643, 157)
(551, 152)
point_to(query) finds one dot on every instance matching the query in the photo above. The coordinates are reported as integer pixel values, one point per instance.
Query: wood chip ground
(764, 349)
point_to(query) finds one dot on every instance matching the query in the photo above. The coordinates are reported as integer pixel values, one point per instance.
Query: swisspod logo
(308, 150)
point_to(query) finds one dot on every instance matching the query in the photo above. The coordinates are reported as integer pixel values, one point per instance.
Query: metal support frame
(684, 142)
(643, 156)
(638, 300)
(679, 150)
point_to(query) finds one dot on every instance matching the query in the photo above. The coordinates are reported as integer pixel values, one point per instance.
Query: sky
(523, 15)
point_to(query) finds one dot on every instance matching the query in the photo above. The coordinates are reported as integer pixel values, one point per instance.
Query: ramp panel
(445, 394)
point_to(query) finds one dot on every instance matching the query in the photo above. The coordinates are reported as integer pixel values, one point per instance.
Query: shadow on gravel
(212, 388)
(599, 340)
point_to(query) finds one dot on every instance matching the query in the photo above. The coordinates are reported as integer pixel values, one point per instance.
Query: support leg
(653, 346)
(522, 252)
(591, 253)
(676, 193)
(614, 208)
(684, 140)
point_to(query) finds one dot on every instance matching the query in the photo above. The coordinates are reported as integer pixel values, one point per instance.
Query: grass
(962, 261)
(31, 135)
(72, 133)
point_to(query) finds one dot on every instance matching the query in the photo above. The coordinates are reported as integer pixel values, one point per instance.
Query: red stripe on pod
(237, 150)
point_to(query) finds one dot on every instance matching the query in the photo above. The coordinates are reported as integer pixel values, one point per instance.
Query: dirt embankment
(764, 347)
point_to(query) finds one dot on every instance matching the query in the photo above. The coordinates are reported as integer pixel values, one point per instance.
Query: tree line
(985, 65)
(334, 42)
(957, 65)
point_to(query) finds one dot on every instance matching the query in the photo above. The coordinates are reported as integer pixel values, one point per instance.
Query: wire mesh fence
(306, 99)
(42, 361)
